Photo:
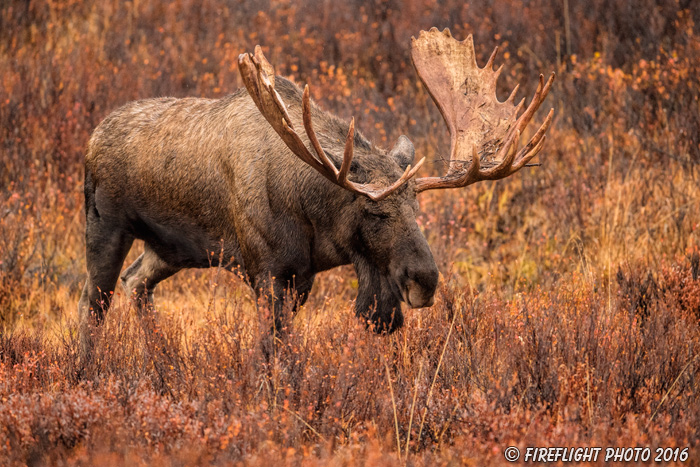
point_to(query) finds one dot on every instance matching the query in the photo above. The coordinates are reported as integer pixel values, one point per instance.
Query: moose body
(232, 182)
(202, 180)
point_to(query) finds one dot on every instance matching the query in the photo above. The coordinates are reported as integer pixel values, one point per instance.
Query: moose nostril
(420, 294)
(427, 279)
(420, 287)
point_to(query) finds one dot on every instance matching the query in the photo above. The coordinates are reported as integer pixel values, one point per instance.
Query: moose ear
(403, 152)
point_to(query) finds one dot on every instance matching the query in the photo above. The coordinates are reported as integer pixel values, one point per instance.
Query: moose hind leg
(141, 278)
(105, 252)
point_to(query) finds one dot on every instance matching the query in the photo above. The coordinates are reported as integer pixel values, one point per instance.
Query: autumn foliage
(568, 312)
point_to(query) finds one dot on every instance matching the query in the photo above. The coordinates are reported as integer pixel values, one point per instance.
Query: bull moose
(285, 190)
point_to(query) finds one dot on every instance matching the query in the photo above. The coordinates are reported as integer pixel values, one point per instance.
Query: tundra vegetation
(568, 307)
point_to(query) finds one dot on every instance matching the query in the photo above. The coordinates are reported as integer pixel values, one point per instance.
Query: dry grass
(569, 308)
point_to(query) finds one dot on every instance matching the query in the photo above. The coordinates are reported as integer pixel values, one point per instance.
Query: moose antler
(481, 128)
(259, 78)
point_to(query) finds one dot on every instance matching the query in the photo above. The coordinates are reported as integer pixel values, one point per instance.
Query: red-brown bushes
(467, 372)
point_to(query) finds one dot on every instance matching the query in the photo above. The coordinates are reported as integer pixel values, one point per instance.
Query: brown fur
(193, 176)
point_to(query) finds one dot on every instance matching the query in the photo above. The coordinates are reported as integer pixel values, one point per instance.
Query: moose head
(390, 254)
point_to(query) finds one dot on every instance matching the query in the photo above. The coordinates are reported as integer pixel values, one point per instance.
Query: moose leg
(140, 279)
(105, 253)
(281, 297)
(278, 299)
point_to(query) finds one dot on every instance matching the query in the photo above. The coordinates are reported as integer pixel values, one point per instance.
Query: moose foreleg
(278, 299)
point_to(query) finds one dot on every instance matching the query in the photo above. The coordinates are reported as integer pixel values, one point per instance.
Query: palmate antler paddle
(483, 131)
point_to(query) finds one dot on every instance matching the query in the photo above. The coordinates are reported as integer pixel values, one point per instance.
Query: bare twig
(393, 403)
(320, 436)
(413, 405)
(663, 399)
(437, 370)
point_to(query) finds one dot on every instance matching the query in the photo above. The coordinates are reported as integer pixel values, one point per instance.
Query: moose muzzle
(419, 290)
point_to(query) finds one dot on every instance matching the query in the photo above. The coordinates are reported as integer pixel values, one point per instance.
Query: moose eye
(377, 214)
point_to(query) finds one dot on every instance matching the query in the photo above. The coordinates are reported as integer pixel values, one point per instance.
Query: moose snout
(419, 290)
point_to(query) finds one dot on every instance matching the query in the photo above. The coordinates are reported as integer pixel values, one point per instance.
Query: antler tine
(254, 71)
(407, 174)
(506, 167)
(308, 126)
(540, 132)
(258, 76)
(537, 99)
(347, 153)
(528, 156)
(527, 153)
(265, 76)
(513, 92)
(465, 95)
(489, 64)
